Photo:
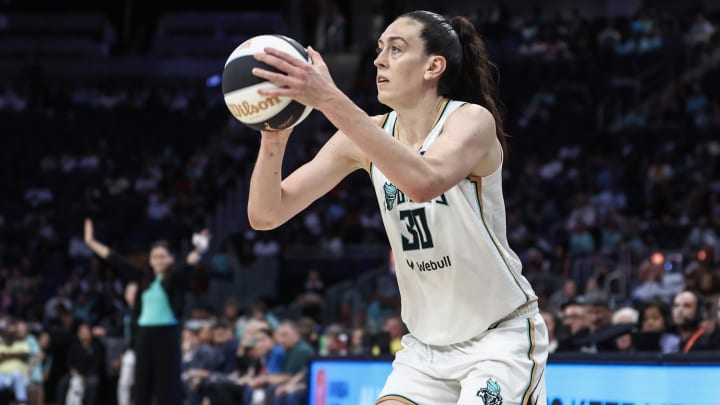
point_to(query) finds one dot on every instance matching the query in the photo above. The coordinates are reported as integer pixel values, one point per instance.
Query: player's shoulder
(471, 116)
(473, 110)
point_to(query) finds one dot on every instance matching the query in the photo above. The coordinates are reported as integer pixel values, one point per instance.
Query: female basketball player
(476, 336)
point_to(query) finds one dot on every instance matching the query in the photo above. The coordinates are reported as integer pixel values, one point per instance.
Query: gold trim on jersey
(441, 111)
(531, 335)
(382, 123)
(477, 181)
(395, 397)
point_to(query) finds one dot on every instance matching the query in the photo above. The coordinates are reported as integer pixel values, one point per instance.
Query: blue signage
(358, 382)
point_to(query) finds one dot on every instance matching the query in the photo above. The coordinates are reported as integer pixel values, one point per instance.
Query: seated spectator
(600, 335)
(395, 328)
(654, 334)
(86, 364)
(35, 366)
(298, 353)
(258, 354)
(688, 314)
(567, 293)
(358, 343)
(14, 357)
(333, 341)
(650, 287)
(574, 324)
(225, 344)
(625, 316)
(197, 359)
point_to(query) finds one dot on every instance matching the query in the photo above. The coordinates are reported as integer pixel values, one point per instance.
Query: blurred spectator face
(189, 340)
(263, 344)
(358, 335)
(206, 335)
(287, 336)
(21, 330)
(258, 311)
(684, 309)
(44, 340)
(570, 288)
(221, 335)
(574, 318)
(130, 293)
(598, 316)
(84, 334)
(160, 260)
(653, 320)
(332, 341)
(231, 311)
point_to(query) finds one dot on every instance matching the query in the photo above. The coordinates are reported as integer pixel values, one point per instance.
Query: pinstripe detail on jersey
(527, 396)
(395, 397)
(383, 121)
(441, 111)
(477, 182)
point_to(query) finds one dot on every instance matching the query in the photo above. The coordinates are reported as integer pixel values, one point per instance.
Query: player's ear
(435, 67)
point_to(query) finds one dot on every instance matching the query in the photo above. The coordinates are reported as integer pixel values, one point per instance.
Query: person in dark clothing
(688, 314)
(157, 312)
(86, 362)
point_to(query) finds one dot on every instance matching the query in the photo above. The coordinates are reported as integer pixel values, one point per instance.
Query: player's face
(401, 62)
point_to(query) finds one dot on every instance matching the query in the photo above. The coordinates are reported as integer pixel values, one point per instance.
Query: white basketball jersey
(456, 273)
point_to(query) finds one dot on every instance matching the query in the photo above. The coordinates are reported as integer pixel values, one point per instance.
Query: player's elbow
(420, 195)
(262, 222)
(423, 192)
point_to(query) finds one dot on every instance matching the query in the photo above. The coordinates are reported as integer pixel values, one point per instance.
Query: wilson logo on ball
(240, 87)
(247, 110)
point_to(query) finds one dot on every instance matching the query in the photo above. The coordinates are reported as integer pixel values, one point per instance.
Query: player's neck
(414, 123)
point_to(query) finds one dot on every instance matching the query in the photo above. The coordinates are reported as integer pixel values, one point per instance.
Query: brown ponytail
(468, 73)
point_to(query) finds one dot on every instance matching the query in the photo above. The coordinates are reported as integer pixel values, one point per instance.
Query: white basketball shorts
(505, 365)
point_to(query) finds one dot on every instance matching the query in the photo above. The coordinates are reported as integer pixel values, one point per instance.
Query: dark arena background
(113, 111)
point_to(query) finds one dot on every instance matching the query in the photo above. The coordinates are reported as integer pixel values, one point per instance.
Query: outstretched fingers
(315, 57)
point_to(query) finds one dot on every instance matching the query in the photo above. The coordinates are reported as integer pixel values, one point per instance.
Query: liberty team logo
(491, 393)
(391, 193)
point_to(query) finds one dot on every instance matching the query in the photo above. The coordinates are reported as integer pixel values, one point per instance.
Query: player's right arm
(274, 200)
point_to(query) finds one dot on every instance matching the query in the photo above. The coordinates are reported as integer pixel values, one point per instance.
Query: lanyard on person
(691, 342)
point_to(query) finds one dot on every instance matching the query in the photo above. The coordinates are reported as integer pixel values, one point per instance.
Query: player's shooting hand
(308, 83)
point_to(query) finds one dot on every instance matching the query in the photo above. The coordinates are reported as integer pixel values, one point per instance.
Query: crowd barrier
(572, 379)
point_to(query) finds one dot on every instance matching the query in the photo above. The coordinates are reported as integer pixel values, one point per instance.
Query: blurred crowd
(612, 192)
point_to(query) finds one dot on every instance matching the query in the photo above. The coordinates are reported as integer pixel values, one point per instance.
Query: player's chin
(383, 97)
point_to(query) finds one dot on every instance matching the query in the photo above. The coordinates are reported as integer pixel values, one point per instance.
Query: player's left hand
(308, 83)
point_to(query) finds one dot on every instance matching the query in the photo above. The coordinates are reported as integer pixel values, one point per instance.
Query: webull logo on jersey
(393, 195)
(429, 265)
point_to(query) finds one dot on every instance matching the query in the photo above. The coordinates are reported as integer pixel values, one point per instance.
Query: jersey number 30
(418, 234)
